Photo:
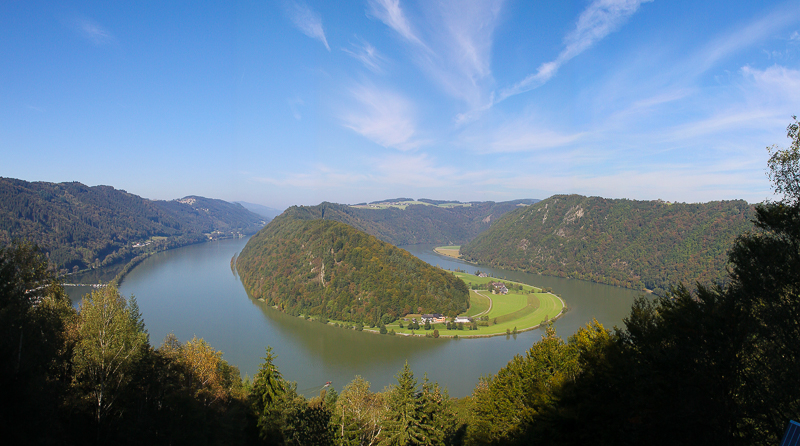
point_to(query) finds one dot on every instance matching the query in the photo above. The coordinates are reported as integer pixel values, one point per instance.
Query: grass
(520, 309)
(450, 251)
(405, 204)
(477, 304)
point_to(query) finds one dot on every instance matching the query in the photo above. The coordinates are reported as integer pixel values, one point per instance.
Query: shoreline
(441, 334)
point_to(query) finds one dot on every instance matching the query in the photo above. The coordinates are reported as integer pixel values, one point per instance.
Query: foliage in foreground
(711, 366)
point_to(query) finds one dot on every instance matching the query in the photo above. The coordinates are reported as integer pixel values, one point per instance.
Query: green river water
(191, 291)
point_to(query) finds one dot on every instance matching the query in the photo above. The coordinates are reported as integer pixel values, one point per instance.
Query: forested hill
(416, 223)
(636, 244)
(78, 226)
(325, 268)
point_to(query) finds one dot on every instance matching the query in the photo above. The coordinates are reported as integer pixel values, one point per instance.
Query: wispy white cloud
(451, 42)
(390, 13)
(463, 35)
(527, 133)
(92, 31)
(307, 21)
(598, 20)
(365, 53)
(294, 105)
(776, 82)
(525, 140)
(470, 26)
(737, 39)
(382, 116)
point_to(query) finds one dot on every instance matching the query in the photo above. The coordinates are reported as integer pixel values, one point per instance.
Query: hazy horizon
(298, 102)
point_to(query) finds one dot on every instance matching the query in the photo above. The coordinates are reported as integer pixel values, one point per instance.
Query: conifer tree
(405, 423)
(268, 390)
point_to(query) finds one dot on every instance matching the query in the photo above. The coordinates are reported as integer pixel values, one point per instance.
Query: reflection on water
(191, 291)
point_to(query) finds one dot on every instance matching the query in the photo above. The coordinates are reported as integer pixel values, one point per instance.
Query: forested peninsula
(636, 244)
(80, 227)
(312, 266)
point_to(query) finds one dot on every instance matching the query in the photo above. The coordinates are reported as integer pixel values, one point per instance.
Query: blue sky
(298, 102)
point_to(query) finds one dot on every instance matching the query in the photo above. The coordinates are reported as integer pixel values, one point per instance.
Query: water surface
(191, 291)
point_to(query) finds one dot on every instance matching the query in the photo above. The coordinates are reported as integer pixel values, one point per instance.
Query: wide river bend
(191, 291)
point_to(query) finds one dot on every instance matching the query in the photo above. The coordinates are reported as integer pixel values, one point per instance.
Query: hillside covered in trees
(706, 366)
(635, 244)
(306, 265)
(78, 226)
(417, 223)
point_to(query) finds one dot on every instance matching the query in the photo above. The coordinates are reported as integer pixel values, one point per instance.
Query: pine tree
(405, 423)
(268, 390)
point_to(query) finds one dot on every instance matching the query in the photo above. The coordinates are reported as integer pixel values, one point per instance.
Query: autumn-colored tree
(359, 414)
(110, 342)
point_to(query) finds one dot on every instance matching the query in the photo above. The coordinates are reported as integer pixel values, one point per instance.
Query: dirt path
(490, 303)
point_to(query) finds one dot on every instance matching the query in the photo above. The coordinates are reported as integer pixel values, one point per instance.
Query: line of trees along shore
(712, 365)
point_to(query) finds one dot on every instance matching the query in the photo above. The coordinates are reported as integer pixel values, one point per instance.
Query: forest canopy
(636, 244)
(329, 269)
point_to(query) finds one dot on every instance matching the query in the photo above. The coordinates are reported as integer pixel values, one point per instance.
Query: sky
(295, 102)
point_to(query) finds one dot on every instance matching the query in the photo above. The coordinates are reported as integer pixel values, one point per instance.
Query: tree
(505, 406)
(405, 422)
(766, 286)
(720, 362)
(784, 165)
(210, 377)
(359, 414)
(268, 391)
(34, 344)
(438, 413)
(110, 342)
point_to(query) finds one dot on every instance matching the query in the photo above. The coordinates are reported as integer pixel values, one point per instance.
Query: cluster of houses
(437, 318)
(498, 288)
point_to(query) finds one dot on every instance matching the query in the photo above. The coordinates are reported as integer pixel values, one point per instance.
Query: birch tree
(110, 342)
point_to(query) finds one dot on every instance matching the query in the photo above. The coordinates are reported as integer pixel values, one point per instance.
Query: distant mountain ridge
(303, 264)
(635, 244)
(78, 226)
(417, 223)
(262, 210)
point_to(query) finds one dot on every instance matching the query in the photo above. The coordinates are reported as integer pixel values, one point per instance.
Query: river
(191, 291)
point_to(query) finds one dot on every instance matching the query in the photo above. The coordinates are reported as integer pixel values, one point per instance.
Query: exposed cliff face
(637, 244)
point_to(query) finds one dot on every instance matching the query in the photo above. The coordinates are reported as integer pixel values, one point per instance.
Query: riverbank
(523, 308)
(449, 251)
(123, 269)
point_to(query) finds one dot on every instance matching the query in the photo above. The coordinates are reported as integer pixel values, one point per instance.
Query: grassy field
(477, 304)
(524, 307)
(405, 204)
(450, 251)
